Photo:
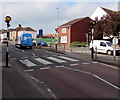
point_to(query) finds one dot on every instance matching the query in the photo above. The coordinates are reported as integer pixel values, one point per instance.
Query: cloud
(28, 13)
(87, 8)
(44, 14)
(60, 0)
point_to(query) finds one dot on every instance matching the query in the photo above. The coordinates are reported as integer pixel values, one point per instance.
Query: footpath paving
(18, 85)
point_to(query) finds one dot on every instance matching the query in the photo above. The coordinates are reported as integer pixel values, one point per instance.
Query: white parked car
(103, 46)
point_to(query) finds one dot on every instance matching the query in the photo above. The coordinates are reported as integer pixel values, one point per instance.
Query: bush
(78, 44)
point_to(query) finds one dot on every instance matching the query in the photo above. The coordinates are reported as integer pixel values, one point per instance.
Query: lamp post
(57, 17)
(57, 28)
(7, 20)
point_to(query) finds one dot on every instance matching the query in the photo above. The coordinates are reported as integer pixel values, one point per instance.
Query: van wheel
(30, 47)
(109, 52)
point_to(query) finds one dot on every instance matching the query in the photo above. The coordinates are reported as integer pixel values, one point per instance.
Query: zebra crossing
(57, 61)
(27, 63)
(43, 61)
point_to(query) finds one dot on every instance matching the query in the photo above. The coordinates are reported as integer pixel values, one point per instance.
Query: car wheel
(109, 52)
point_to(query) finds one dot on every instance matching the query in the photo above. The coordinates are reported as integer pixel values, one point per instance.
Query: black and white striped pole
(92, 24)
(7, 20)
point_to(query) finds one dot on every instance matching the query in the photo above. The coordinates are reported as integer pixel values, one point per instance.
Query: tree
(108, 25)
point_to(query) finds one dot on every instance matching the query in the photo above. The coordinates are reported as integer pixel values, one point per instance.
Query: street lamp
(57, 28)
(7, 20)
(57, 17)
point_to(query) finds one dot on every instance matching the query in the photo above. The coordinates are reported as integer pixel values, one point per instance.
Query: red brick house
(74, 30)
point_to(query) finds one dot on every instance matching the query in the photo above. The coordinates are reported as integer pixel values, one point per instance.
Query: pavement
(23, 87)
(85, 53)
(17, 85)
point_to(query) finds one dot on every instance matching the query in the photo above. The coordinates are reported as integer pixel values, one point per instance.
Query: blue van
(24, 40)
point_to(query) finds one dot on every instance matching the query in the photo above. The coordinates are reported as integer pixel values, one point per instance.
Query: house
(100, 12)
(74, 30)
(19, 30)
(3, 34)
(12, 35)
(28, 30)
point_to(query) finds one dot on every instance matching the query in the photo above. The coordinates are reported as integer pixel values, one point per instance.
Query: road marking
(77, 70)
(60, 66)
(94, 62)
(67, 58)
(109, 66)
(43, 61)
(27, 63)
(51, 93)
(34, 78)
(45, 85)
(109, 83)
(85, 63)
(49, 52)
(29, 70)
(56, 59)
(44, 68)
(67, 50)
(105, 81)
(14, 58)
(33, 54)
(73, 64)
(23, 57)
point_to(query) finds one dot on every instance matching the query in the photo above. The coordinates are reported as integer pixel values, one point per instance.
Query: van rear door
(29, 40)
(26, 40)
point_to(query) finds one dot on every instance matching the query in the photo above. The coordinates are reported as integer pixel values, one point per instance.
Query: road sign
(115, 41)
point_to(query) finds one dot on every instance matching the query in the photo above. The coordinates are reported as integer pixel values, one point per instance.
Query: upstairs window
(63, 30)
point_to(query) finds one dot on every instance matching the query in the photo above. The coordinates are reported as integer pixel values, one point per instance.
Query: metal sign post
(114, 41)
(92, 50)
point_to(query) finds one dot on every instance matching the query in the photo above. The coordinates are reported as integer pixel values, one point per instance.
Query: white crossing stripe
(27, 63)
(73, 64)
(85, 63)
(29, 70)
(60, 66)
(67, 58)
(56, 59)
(45, 68)
(43, 61)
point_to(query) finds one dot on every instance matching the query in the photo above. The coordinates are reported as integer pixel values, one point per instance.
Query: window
(63, 39)
(63, 30)
(103, 44)
(109, 44)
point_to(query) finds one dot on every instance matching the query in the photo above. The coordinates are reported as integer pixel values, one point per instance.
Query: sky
(45, 15)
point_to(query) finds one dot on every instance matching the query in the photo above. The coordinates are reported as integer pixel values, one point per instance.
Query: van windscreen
(109, 44)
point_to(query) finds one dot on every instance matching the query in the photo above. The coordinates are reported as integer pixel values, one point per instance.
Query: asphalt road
(66, 75)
